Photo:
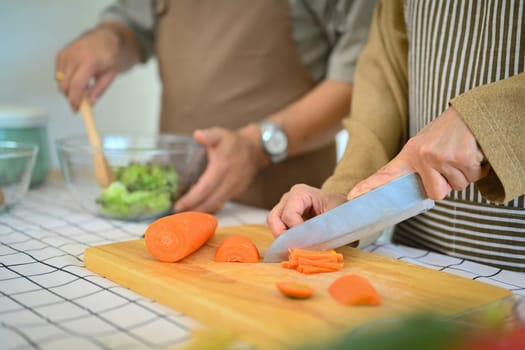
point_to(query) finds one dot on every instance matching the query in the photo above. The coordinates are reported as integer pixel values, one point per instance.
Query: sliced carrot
(316, 253)
(295, 290)
(237, 248)
(309, 270)
(310, 261)
(320, 263)
(174, 237)
(354, 290)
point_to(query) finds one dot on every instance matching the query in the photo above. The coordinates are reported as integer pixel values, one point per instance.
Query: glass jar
(27, 125)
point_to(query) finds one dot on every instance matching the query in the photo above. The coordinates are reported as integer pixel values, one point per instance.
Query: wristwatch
(274, 141)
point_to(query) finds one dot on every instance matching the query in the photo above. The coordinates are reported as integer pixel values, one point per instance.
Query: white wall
(31, 33)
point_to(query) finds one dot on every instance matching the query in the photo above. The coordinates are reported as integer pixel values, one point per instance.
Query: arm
(377, 124)
(495, 115)
(99, 55)
(448, 153)
(310, 122)
(235, 157)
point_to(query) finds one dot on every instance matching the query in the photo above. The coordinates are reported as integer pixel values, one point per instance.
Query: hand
(301, 203)
(95, 55)
(444, 153)
(233, 162)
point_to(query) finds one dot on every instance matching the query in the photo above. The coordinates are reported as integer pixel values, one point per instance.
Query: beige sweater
(378, 123)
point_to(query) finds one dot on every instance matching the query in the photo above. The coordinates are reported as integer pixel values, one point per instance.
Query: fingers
(301, 203)
(435, 184)
(208, 137)
(273, 220)
(78, 85)
(102, 82)
(93, 56)
(73, 81)
(293, 209)
(383, 176)
(203, 195)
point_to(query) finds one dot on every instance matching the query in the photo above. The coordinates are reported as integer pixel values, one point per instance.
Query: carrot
(316, 253)
(309, 270)
(237, 248)
(309, 261)
(295, 290)
(354, 290)
(176, 236)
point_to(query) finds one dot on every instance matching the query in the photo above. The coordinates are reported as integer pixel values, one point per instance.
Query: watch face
(277, 143)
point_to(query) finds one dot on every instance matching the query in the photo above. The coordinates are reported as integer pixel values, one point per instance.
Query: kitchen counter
(48, 300)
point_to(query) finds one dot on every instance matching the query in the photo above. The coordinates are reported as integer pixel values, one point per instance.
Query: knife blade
(358, 218)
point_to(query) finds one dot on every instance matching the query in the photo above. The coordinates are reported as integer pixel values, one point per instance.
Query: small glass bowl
(16, 165)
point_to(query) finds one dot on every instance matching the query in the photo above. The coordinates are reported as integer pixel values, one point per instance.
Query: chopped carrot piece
(285, 264)
(321, 263)
(309, 270)
(295, 290)
(174, 237)
(237, 248)
(309, 261)
(354, 290)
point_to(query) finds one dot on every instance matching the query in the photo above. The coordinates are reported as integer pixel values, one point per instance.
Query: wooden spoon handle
(103, 171)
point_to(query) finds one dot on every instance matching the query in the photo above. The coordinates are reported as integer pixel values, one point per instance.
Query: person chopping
(448, 105)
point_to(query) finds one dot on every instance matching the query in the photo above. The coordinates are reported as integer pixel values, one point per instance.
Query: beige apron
(229, 63)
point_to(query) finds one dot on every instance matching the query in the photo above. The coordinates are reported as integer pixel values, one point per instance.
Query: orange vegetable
(176, 236)
(295, 290)
(237, 248)
(309, 261)
(354, 290)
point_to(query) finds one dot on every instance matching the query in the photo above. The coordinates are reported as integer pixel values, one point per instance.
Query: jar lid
(15, 116)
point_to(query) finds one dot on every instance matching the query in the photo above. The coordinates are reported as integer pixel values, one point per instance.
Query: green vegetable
(427, 331)
(140, 191)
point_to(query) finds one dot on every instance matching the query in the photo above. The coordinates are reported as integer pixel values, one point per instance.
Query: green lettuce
(140, 191)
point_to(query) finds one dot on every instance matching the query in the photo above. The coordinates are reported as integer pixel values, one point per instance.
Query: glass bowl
(149, 173)
(17, 160)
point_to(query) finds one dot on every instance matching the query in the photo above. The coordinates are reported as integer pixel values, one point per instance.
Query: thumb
(207, 137)
(102, 82)
(380, 178)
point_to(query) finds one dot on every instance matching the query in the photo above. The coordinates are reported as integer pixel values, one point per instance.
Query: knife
(360, 217)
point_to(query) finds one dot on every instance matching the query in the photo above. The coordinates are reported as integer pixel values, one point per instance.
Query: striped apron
(454, 47)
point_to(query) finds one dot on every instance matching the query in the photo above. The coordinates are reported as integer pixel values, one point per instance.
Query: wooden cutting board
(242, 297)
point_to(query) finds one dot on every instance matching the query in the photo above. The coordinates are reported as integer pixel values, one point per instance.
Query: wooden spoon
(103, 171)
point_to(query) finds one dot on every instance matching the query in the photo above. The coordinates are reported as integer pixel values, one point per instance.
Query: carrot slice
(309, 270)
(321, 263)
(310, 261)
(354, 290)
(237, 248)
(174, 237)
(295, 290)
(316, 253)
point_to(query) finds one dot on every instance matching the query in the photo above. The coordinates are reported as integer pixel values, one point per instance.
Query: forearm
(495, 115)
(313, 120)
(377, 125)
(310, 122)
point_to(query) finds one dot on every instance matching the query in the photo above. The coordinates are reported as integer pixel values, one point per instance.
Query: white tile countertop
(48, 300)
